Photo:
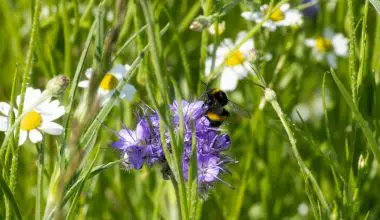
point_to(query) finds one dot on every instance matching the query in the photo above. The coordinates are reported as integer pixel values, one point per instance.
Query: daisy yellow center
(235, 58)
(323, 44)
(109, 82)
(30, 121)
(277, 15)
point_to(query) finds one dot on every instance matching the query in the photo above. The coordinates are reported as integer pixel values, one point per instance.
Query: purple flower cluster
(311, 11)
(143, 145)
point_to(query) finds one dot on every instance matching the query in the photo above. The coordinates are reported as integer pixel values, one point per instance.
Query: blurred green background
(268, 181)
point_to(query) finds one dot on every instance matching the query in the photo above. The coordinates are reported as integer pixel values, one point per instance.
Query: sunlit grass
(304, 119)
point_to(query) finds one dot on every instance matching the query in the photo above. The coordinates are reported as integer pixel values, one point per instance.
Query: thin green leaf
(358, 117)
(74, 86)
(8, 193)
(376, 4)
(74, 203)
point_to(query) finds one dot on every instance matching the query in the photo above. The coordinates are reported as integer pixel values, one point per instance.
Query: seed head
(200, 23)
(56, 86)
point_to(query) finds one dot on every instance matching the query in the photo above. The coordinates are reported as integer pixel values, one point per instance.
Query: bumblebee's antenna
(205, 84)
(261, 86)
(108, 128)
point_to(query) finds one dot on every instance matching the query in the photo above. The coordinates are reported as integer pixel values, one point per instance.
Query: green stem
(25, 81)
(155, 47)
(206, 6)
(270, 96)
(67, 40)
(363, 47)
(40, 151)
(352, 55)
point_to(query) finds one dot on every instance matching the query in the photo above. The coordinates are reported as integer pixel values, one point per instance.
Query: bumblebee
(215, 119)
(214, 104)
(214, 107)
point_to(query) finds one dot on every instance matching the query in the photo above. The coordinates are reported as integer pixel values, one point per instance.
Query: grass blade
(358, 117)
(376, 4)
(74, 86)
(8, 193)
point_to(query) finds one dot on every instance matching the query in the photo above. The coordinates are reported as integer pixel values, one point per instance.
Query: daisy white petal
(120, 69)
(127, 67)
(228, 81)
(247, 46)
(294, 18)
(54, 104)
(226, 44)
(317, 55)
(270, 25)
(340, 44)
(22, 138)
(53, 113)
(88, 73)
(4, 108)
(128, 92)
(84, 84)
(250, 16)
(51, 128)
(3, 123)
(310, 42)
(328, 33)
(239, 70)
(35, 136)
(31, 97)
(331, 59)
(208, 65)
(284, 7)
(264, 7)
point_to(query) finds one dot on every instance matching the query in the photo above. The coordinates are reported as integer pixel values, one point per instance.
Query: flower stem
(352, 54)
(270, 96)
(25, 81)
(206, 6)
(67, 40)
(40, 165)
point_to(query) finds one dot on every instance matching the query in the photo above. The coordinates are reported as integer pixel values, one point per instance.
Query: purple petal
(119, 144)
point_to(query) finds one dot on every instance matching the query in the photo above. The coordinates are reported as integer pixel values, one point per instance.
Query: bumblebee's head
(219, 95)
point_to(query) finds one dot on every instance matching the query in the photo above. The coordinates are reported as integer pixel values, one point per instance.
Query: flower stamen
(31, 120)
(277, 15)
(235, 58)
(323, 44)
(109, 82)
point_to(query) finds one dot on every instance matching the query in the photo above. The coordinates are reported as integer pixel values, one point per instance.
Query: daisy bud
(362, 163)
(217, 28)
(57, 85)
(200, 23)
(270, 95)
(253, 55)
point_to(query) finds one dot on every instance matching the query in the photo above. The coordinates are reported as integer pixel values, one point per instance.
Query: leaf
(358, 117)
(74, 85)
(8, 193)
(376, 4)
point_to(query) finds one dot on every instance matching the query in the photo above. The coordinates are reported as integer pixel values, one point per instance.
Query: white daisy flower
(236, 63)
(38, 119)
(109, 83)
(281, 17)
(328, 46)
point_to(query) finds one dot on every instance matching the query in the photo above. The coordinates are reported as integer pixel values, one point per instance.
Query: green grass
(311, 139)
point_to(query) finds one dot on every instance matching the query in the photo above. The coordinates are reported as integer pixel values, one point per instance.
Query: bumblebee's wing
(237, 109)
